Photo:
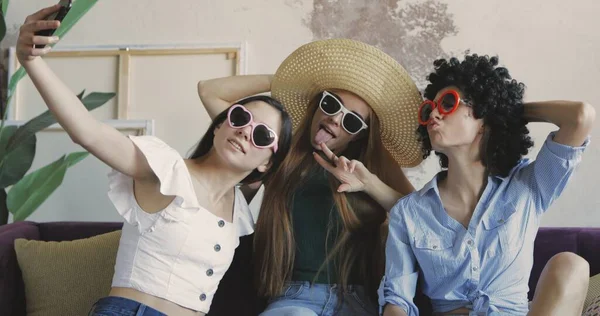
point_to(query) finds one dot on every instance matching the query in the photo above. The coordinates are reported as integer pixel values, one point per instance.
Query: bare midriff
(159, 304)
(458, 311)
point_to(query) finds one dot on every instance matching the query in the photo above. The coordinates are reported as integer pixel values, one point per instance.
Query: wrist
(370, 183)
(27, 62)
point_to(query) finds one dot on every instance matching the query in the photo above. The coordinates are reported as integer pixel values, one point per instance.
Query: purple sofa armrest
(12, 289)
(553, 240)
(60, 231)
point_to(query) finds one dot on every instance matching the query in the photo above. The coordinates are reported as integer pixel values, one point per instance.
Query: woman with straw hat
(319, 246)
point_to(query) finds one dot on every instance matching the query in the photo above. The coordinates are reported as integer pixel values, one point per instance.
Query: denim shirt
(485, 266)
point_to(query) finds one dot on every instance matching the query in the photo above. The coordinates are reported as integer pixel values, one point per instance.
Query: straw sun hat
(361, 69)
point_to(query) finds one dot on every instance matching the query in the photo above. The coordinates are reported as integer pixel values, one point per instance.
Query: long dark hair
(284, 135)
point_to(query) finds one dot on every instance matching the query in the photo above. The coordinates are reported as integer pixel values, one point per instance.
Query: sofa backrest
(237, 282)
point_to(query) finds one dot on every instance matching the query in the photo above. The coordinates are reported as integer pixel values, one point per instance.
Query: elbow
(82, 141)
(202, 90)
(585, 115)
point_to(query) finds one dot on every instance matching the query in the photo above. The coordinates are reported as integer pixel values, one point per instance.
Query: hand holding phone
(65, 6)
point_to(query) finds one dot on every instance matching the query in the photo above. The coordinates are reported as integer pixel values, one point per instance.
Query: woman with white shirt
(183, 217)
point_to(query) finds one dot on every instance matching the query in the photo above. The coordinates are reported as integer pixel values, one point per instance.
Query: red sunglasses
(447, 103)
(262, 136)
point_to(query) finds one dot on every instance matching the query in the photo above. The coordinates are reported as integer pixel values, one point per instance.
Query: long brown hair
(359, 247)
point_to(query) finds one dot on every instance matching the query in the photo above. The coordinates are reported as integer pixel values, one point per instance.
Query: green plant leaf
(7, 132)
(3, 208)
(38, 123)
(80, 95)
(4, 7)
(74, 158)
(29, 193)
(96, 99)
(78, 10)
(2, 27)
(12, 84)
(15, 163)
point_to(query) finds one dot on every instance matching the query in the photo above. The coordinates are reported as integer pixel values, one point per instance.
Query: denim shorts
(120, 306)
(300, 298)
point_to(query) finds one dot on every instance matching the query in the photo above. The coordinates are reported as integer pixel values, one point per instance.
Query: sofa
(236, 295)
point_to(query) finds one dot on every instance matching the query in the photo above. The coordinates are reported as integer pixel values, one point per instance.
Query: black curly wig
(494, 97)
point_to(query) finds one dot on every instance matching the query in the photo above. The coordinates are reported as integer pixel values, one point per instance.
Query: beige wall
(550, 45)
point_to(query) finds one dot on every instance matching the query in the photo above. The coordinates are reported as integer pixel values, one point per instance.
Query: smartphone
(65, 6)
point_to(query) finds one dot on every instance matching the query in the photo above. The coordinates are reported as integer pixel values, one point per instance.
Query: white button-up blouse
(182, 252)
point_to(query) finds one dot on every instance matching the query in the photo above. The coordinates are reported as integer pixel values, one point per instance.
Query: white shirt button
(209, 272)
(221, 223)
(202, 297)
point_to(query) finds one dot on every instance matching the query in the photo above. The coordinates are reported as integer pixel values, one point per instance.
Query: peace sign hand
(353, 175)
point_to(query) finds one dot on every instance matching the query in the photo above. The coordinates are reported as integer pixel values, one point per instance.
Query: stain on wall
(409, 31)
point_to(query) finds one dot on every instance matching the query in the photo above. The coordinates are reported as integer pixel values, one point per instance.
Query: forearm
(560, 113)
(219, 93)
(393, 310)
(68, 110)
(382, 193)
(574, 119)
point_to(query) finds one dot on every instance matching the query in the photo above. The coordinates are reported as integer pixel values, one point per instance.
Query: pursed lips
(433, 124)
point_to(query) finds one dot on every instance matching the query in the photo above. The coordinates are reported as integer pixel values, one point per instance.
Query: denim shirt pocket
(435, 253)
(503, 231)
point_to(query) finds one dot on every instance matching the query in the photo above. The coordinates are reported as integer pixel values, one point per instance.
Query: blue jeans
(300, 298)
(120, 306)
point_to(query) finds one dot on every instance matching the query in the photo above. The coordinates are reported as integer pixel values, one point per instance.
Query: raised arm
(101, 140)
(220, 93)
(547, 176)
(574, 119)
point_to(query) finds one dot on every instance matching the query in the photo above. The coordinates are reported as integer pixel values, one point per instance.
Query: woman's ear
(264, 167)
(482, 129)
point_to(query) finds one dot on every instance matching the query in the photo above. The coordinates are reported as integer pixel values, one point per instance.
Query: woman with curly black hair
(470, 232)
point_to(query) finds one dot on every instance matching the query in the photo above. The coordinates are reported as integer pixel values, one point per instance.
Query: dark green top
(312, 209)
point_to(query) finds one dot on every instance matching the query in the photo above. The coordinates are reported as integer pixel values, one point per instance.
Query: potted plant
(21, 193)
